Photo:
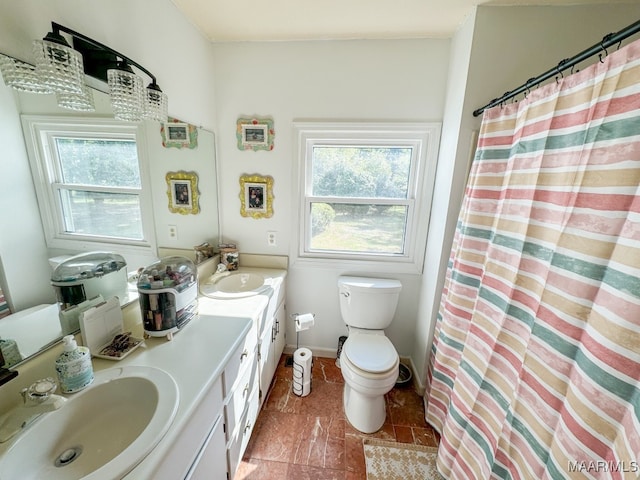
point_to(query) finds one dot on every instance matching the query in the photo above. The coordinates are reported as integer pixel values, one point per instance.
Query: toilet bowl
(370, 366)
(369, 361)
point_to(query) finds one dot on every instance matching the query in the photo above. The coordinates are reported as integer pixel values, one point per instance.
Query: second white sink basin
(235, 285)
(100, 433)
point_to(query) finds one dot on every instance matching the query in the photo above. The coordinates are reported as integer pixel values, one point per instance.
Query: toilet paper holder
(296, 320)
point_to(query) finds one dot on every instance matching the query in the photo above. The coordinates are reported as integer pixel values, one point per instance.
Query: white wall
(326, 80)
(507, 46)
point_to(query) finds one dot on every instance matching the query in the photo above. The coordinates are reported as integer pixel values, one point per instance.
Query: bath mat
(399, 461)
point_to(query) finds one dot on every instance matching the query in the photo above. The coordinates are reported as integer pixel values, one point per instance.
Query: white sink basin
(102, 432)
(235, 285)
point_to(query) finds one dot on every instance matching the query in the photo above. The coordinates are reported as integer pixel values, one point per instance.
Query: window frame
(422, 137)
(40, 132)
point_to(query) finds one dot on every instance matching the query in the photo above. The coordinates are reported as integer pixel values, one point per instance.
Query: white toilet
(368, 360)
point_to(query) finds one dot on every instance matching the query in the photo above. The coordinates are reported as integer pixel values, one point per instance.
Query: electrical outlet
(173, 232)
(272, 239)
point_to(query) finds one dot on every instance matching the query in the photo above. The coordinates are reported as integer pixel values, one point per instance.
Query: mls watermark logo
(602, 466)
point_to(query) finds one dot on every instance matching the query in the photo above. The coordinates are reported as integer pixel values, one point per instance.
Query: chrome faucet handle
(39, 390)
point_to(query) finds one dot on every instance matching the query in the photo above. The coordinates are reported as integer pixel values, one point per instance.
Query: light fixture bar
(129, 100)
(57, 28)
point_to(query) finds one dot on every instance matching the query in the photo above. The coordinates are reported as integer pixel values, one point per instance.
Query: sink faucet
(37, 399)
(221, 271)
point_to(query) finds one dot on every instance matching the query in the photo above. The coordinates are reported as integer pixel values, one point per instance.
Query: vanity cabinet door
(210, 464)
(266, 359)
(279, 335)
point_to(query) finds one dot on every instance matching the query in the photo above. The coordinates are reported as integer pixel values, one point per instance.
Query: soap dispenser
(73, 366)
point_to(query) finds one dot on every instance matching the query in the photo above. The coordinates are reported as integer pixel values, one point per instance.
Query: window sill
(372, 266)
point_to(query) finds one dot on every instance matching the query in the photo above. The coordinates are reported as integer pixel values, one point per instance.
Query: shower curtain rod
(606, 42)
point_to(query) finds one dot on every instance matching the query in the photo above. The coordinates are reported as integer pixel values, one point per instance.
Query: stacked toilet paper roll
(304, 321)
(302, 362)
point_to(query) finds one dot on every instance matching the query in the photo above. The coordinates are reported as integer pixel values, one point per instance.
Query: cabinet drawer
(242, 356)
(237, 447)
(235, 406)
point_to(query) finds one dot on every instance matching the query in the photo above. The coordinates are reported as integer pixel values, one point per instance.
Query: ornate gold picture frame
(256, 196)
(182, 190)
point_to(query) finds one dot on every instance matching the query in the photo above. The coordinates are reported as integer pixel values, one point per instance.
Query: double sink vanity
(179, 409)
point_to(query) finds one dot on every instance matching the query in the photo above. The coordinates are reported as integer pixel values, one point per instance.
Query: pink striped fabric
(535, 368)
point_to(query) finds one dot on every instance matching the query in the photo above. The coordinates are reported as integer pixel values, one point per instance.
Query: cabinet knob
(247, 428)
(246, 389)
(243, 355)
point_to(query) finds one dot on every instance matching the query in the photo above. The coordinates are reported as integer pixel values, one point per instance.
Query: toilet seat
(370, 353)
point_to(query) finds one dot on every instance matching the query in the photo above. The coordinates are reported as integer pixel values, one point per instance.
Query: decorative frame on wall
(256, 196)
(178, 134)
(255, 133)
(182, 190)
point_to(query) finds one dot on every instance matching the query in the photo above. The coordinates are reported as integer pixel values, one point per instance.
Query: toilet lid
(371, 353)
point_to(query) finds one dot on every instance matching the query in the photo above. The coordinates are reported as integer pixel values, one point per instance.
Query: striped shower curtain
(535, 369)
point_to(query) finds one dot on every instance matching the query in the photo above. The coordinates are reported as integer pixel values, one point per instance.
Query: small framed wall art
(178, 134)
(256, 196)
(182, 191)
(255, 133)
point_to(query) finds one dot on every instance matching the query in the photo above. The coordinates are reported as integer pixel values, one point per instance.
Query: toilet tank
(368, 302)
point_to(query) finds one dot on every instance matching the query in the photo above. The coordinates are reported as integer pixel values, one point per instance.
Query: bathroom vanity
(223, 362)
(209, 441)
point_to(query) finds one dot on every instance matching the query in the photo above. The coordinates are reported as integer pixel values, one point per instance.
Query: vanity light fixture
(126, 91)
(82, 101)
(21, 76)
(61, 69)
(58, 66)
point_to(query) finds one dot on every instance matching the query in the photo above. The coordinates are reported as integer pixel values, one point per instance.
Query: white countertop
(195, 357)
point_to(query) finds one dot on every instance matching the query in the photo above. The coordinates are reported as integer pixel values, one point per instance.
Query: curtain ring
(559, 73)
(605, 39)
(528, 90)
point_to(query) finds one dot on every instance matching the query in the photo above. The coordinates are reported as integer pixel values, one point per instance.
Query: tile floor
(309, 437)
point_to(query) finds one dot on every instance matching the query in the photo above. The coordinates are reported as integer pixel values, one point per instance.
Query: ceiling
(285, 20)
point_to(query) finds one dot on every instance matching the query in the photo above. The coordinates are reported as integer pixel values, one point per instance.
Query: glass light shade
(127, 94)
(59, 66)
(156, 104)
(82, 102)
(21, 76)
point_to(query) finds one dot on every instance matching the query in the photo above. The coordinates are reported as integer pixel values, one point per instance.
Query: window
(89, 182)
(365, 192)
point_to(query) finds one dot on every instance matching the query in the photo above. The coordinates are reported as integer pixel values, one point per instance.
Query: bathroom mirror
(25, 272)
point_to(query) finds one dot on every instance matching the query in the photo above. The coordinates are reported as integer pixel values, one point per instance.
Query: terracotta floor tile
(276, 437)
(406, 407)
(255, 469)
(325, 399)
(304, 472)
(325, 369)
(355, 475)
(403, 434)
(310, 438)
(281, 397)
(354, 453)
(425, 436)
